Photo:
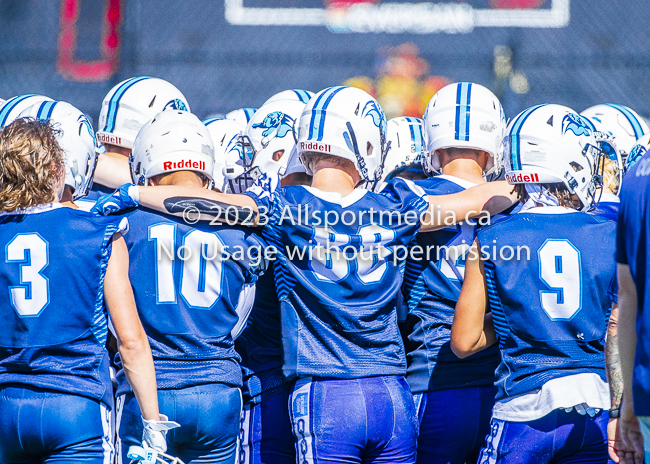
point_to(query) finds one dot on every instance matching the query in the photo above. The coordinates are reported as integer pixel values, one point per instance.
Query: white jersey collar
(334, 197)
(36, 209)
(457, 180)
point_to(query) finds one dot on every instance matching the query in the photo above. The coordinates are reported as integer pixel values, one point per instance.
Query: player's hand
(267, 182)
(613, 442)
(629, 443)
(124, 197)
(154, 434)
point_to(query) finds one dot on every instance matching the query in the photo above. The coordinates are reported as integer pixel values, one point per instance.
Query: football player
(11, 109)
(61, 264)
(125, 109)
(464, 125)
(75, 136)
(406, 152)
(544, 273)
(338, 281)
(187, 282)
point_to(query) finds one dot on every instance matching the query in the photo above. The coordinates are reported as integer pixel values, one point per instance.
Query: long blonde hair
(610, 176)
(31, 164)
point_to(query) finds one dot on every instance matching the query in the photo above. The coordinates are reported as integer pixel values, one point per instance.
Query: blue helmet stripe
(10, 105)
(115, 100)
(463, 96)
(249, 112)
(636, 126)
(514, 137)
(207, 122)
(318, 112)
(45, 110)
(321, 125)
(302, 95)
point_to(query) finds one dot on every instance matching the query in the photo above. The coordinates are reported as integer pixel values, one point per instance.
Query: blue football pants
(265, 434)
(559, 437)
(366, 420)
(453, 424)
(209, 417)
(40, 427)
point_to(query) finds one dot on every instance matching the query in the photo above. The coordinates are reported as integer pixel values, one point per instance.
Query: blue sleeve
(408, 194)
(621, 254)
(263, 193)
(612, 290)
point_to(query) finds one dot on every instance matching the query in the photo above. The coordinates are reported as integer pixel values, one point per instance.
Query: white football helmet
(16, 105)
(133, 102)
(406, 144)
(463, 115)
(242, 115)
(552, 144)
(621, 122)
(225, 133)
(345, 122)
(641, 148)
(293, 95)
(75, 136)
(172, 141)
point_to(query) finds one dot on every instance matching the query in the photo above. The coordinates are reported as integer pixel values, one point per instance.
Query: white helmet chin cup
(172, 141)
(300, 95)
(11, 109)
(75, 136)
(622, 123)
(552, 144)
(406, 144)
(345, 122)
(225, 133)
(271, 134)
(462, 115)
(133, 102)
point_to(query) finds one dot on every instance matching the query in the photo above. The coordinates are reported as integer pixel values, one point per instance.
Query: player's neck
(465, 169)
(179, 178)
(67, 199)
(330, 179)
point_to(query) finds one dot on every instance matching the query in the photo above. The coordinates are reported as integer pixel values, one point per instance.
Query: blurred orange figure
(403, 86)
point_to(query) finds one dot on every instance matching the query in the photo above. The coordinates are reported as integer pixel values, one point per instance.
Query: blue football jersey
(607, 206)
(337, 275)
(52, 294)
(632, 239)
(260, 344)
(187, 280)
(432, 283)
(548, 270)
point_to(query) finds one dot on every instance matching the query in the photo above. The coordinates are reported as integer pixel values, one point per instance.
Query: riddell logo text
(315, 146)
(185, 164)
(522, 178)
(108, 138)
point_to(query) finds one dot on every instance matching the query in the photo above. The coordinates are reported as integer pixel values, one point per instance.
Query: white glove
(155, 432)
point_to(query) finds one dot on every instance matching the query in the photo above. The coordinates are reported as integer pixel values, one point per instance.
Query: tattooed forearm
(613, 361)
(195, 209)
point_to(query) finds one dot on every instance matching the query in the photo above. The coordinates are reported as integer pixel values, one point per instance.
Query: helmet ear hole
(277, 155)
(369, 148)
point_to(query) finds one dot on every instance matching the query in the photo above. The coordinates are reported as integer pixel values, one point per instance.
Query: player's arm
(445, 210)
(628, 424)
(615, 380)
(472, 329)
(132, 340)
(112, 170)
(196, 203)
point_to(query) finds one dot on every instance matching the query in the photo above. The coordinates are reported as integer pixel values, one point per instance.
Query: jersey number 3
(32, 294)
(561, 270)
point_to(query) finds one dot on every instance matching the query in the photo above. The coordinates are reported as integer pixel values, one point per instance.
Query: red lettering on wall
(89, 70)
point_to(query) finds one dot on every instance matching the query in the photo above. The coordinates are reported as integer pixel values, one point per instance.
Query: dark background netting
(602, 55)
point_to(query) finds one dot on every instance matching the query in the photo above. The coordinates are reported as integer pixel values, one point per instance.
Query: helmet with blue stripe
(406, 144)
(345, 122)
(133, 102)
(638, 151)
(75, 136)
(12, 108)
(225, 133)
(463, 115)
(241, 115)
(292, 94)
(622, 123)
(172, 141)
(550, 144)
